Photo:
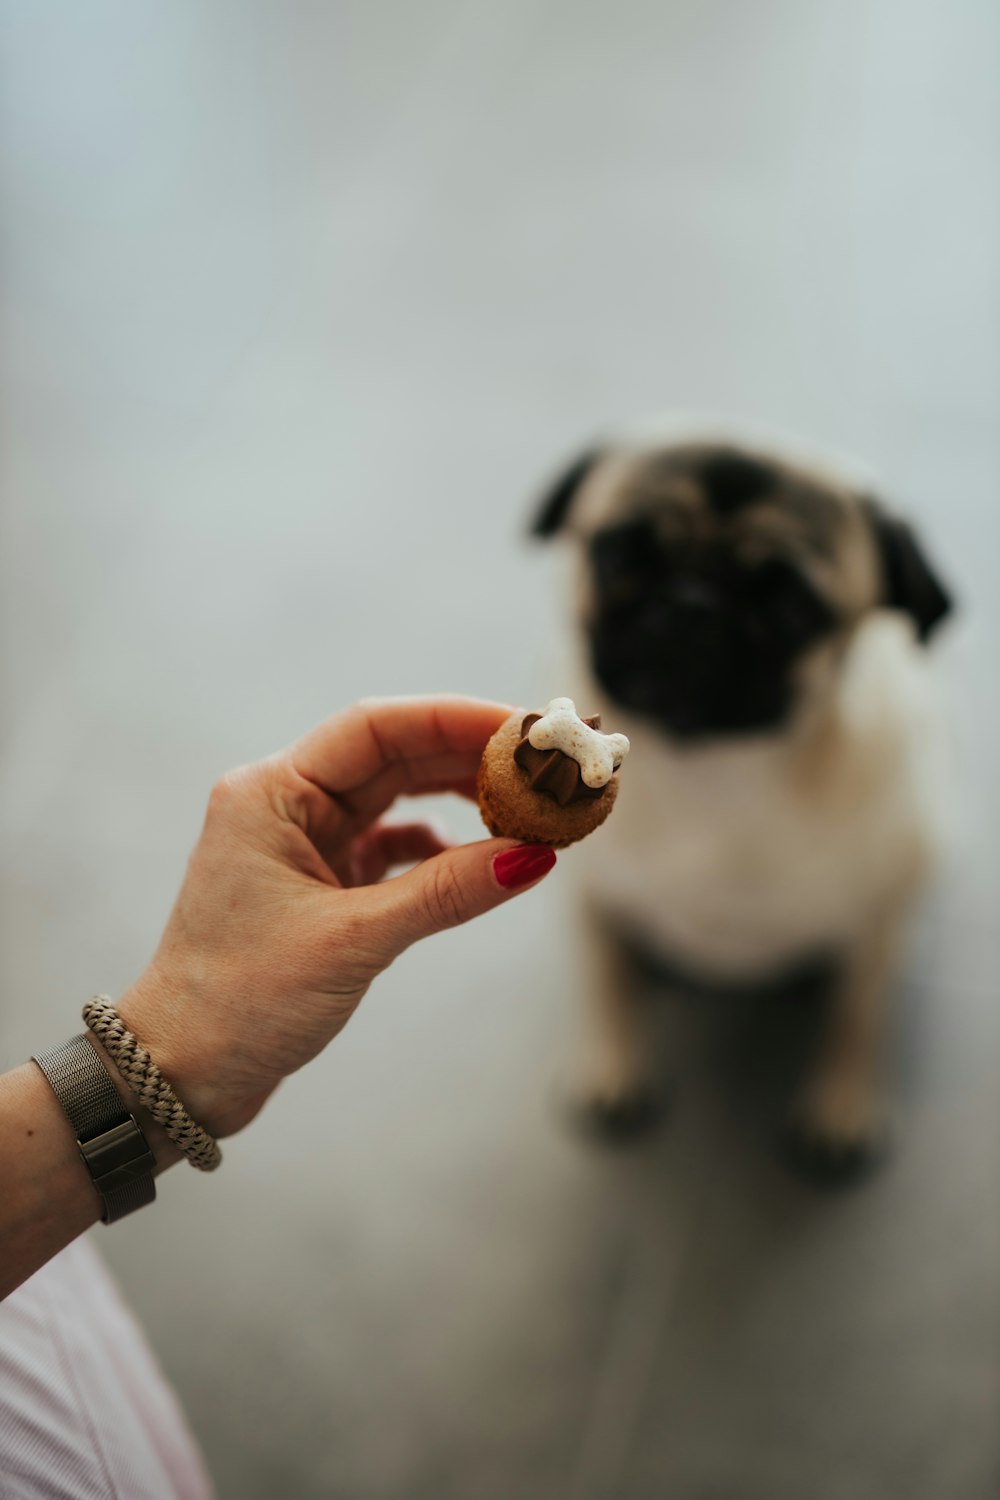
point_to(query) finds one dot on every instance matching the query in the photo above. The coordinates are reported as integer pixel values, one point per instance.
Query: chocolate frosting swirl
(551, 771)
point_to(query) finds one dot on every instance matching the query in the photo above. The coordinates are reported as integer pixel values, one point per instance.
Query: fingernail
(520, 866)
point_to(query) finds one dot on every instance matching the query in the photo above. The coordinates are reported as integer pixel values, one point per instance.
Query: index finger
(349, 749)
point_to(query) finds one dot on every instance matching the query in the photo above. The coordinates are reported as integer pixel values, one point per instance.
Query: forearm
(47, 1197)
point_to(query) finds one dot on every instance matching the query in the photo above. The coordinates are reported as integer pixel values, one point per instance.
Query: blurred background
(300, 303)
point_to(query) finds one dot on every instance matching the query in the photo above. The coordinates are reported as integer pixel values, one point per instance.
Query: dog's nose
(697, 617)
(695, 594)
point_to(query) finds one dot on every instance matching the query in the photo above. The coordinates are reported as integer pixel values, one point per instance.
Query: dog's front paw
(837, 1130)
(610, 1097)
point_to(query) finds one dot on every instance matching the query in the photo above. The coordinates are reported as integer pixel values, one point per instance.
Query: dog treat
(550, 777)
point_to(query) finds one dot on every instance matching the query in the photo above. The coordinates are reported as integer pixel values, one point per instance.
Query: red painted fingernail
(520, 866)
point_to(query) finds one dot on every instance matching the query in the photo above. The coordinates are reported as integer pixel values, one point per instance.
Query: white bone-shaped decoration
(561, 728)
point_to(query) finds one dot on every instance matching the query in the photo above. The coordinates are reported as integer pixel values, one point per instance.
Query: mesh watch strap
(113, 1147)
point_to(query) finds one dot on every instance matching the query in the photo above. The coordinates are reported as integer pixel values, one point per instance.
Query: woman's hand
(284, 919)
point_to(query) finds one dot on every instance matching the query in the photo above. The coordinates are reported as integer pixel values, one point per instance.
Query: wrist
(175, 1029)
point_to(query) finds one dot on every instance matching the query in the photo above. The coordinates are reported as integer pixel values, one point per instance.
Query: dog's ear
(908, 580)
(557, 499)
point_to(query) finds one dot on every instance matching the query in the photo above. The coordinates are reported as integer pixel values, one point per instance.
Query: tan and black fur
(755, 624)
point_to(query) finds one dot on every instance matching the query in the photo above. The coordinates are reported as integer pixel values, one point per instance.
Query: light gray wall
(299, 303)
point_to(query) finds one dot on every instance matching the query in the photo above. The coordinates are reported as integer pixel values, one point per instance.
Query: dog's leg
(839, 1120)
(612, 1084)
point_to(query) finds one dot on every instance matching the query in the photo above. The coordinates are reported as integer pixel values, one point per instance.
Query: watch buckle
(117, 1156)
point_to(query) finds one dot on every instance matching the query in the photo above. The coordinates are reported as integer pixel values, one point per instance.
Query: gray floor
(299, 301)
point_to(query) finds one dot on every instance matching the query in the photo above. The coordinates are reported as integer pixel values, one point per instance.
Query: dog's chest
(717, 860)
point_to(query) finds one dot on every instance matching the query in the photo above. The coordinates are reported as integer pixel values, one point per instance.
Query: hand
(284, 919)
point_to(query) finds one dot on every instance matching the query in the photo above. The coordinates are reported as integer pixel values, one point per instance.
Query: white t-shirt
(85, 1412)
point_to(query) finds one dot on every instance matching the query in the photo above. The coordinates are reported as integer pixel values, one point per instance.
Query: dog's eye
(623, 554)
(782, 609)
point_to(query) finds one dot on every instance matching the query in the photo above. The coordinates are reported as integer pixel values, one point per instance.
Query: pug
(756, 623)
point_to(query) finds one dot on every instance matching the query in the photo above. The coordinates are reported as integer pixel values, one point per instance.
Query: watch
(114, 1149)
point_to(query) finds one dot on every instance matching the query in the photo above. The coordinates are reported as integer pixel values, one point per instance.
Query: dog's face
(719, 584)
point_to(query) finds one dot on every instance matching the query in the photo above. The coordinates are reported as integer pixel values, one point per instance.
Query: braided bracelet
(149, 1085)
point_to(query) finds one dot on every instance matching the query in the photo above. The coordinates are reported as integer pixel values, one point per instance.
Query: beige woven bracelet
(149, 1085)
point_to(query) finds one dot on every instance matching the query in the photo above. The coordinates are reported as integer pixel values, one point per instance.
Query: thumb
(459, 884)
